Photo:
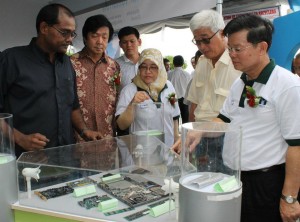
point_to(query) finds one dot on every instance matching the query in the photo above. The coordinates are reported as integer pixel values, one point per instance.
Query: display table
(32, 214)
(137, 175)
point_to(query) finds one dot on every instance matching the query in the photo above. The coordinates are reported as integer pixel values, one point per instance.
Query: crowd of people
(59, 100)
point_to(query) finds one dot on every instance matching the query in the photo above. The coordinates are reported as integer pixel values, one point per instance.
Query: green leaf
(251, 90)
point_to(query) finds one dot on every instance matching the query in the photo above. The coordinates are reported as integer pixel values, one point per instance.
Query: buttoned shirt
(180, 80)
(269, 128)
(210, 86)
(40, 95)
(128, 70)
(97, 91)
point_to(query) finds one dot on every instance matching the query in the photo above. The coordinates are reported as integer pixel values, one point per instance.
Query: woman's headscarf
(154, 88)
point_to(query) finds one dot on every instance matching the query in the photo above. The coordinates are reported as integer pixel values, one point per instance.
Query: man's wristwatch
(289, 199)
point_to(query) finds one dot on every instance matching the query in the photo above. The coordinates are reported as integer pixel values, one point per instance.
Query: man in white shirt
(213, 78)
(180, 80)
(129, 41)
(214, 72)
(264, 102)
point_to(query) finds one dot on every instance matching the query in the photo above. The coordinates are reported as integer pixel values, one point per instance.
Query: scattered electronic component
(93, 201)
(137, 215)
(140, 171)
(54, 192)
(83, 182)
(118, 211)
(206, 180)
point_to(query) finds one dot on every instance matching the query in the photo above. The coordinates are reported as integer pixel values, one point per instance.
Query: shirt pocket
(67, 91)
(221, 95)
(198, 94)
(199, 84)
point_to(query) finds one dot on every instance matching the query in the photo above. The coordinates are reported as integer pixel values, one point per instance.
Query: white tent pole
(219, 6)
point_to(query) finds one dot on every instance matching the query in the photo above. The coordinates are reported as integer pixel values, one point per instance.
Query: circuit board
(83, 182)
(137, 215)
(54, 192)
(93, 201)
(133, 190)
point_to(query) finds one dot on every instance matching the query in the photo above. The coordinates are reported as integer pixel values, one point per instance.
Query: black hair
(166, 60)
(259, 29)
(128, 30)
(49, 14)
(93, 23)
(178, 61)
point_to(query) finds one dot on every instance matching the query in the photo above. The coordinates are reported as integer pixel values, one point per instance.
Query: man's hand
(32, 142)
(177, 146)
(89, 135)
(289, 212)
(192, 139)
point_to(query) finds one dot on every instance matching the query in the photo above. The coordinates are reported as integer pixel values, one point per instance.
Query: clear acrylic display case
(142, 159)
(8, 185)
(214, 149)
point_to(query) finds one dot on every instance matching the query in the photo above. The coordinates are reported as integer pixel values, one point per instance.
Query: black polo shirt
(39, 94)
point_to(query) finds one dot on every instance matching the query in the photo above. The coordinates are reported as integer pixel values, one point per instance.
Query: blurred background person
(180, 80)
(186, 101)
(167, 65)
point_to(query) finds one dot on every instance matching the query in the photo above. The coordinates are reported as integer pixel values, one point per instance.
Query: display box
(111, 179)
(214, 149)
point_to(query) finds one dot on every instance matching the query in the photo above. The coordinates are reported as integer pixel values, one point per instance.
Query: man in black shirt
(37, 85)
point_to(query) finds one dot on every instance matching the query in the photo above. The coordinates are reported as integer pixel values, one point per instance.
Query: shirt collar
(128, 60)
(225, 58)
(43, 56)
(263, 76)
(84, 54)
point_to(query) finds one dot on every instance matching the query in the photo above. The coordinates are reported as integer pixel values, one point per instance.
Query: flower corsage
(252, 98)
(116, 79)
(172, 99)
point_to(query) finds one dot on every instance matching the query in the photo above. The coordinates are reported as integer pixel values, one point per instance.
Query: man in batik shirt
(98, 76)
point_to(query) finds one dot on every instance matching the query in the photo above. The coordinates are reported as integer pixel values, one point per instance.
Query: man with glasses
(38, 85)
(214, 72)
(214, 75)
(265, 102)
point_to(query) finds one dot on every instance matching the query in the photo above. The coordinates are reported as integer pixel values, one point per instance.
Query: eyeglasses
(205, 41)
(150, 68)
(237, 50)
(65, 34)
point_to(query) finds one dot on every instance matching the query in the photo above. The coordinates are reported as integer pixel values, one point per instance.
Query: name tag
(143, 106)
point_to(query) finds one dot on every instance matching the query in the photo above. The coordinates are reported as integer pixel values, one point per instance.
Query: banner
(269, 13)
(137, 12)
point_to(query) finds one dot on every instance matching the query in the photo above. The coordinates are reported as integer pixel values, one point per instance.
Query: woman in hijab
(148, 86)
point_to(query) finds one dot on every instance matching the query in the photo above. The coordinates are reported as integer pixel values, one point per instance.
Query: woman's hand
(140, 97)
